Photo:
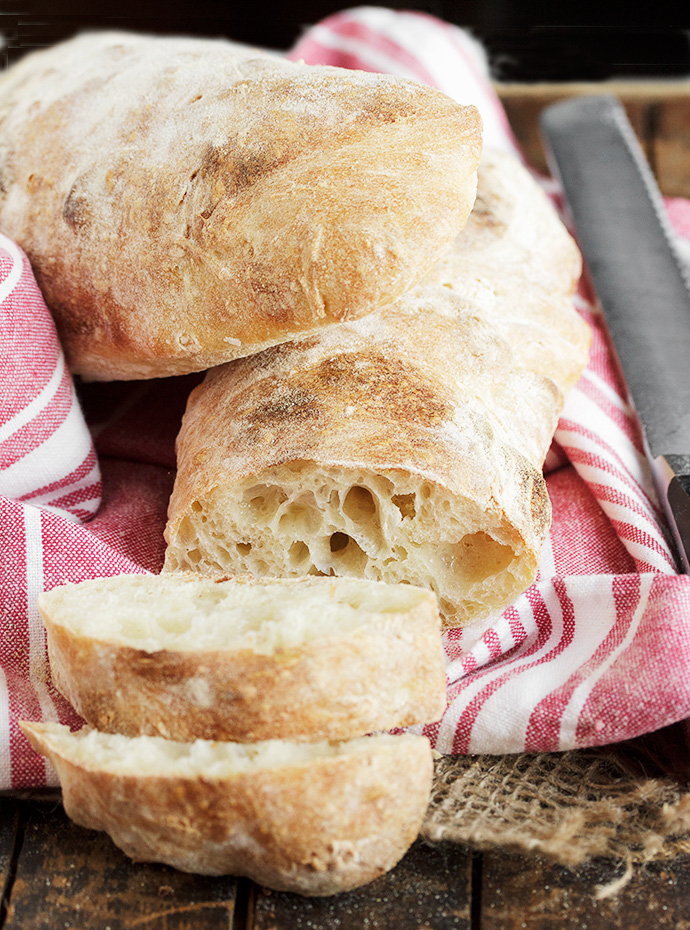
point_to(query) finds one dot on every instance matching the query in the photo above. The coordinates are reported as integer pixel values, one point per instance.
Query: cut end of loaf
(187, 613)
(293, 522)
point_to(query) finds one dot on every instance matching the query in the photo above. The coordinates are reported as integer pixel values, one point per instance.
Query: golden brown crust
(438, 409)
(387, 672)
(184, 202)
(316, 829)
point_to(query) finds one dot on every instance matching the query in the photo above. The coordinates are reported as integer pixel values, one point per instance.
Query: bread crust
(317, 829)
(388, 672)
(185, 202)
(520, 258)
(440, 407)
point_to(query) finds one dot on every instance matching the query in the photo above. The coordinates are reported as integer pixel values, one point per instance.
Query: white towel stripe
(90, 505)
(39, 672)
(573, 710)
(607, 435)
(373, 57)
(69, 445)
(608, 390)
(37, 405)
(448, 727)
(547, 561)
(12, 279)
(512, 695)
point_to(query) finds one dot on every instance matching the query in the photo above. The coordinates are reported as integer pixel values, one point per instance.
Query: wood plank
(671, 145)
(9, 837)
(659, 112)
(523, 104)
(430, 889)
(68, 876)
(529, 893)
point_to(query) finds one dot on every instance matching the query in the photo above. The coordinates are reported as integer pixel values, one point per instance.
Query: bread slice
(188, 201)
(313, 818)
(187, 657)
(408, 445)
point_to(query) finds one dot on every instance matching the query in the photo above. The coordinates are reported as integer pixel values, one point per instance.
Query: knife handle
(672, 479)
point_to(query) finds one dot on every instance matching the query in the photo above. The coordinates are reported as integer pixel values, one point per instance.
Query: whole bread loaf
(188, 657)
(184, 202)
(408, 445)
(314, 818)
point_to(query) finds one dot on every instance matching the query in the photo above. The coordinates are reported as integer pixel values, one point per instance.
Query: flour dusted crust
(187, 657)
(406, 446)
(184, 202)
(517, 261)
(315, 818)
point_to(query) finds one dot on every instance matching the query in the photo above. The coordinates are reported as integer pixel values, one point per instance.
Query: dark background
(526, 41)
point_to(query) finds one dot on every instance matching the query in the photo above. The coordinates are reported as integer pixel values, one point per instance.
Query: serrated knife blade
(639, 278)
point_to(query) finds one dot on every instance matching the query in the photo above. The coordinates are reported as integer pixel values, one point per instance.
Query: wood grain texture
(10, 829)
(521, 893)
(68, 876)
(671, 144)
(659, 112)
(430, 889)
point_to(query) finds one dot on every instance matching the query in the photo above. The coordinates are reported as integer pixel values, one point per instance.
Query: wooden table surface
(658, 110)
(59, 876)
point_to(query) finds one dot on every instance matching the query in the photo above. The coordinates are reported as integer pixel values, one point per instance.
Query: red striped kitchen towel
(597, 650)
(46, 453)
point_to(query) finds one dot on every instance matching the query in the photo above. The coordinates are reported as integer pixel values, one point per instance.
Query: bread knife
(639, 279)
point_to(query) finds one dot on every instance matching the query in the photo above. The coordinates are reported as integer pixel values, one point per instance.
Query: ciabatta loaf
(313, 818)
(406, 446)
(187, 657)
(188, 201)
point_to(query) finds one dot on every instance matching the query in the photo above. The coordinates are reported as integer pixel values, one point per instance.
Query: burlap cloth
(628, 802)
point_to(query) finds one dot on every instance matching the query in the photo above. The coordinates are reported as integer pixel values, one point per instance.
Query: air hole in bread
(264, 500)
(197, 506)
(300, 517)
(187, 532)
(359, 504)
(477, 557)
(405, 504)
(243, 548)
(347, 555)
(298, 554)
(339, 541)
